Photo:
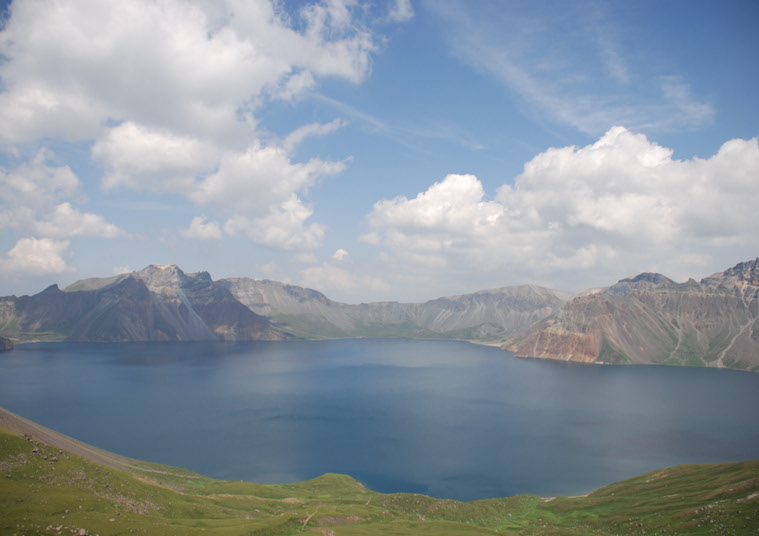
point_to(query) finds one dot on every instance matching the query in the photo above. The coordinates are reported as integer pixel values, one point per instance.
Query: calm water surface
(443, 418)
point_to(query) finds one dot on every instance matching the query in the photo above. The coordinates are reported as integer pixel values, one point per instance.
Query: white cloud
(201, 230)
(65, 221)
(340, 255)
(190, 67)
(401, 10)
(282, 228)
(168, 92)
(262, 176)
(249, 187)
(142, 158)
(35, 183)
(34, 198)
(452, 218)
(37, 256)
(620, 201)
(314, 129)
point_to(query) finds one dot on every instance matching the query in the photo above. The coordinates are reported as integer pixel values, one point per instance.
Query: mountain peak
(740, 274)
(644, 280)
(161, 275)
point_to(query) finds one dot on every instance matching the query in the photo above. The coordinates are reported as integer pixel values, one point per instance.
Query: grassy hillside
(47, 490)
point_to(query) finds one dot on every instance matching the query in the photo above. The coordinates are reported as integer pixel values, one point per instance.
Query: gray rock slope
(485, 316)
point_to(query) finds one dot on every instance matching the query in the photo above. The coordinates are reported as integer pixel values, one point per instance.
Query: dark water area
(443, 418)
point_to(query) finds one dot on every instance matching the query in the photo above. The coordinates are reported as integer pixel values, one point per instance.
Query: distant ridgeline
(642, 320)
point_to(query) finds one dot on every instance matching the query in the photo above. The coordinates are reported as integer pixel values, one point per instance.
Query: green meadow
(47, 490)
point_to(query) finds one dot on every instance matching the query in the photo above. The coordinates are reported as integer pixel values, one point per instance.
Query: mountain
(485, 316)
(649, 319)
(162, 303)
(646, 319)
(159, 303)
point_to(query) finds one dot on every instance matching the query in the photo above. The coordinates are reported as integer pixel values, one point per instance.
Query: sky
(396, 150)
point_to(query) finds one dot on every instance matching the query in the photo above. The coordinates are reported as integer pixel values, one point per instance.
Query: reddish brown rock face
(560, 344)
(651, 319)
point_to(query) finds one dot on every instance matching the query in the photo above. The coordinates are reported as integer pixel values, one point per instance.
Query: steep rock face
(154, 304)
(486, 315)
(282, 301)
(200, 309)
(650, 319)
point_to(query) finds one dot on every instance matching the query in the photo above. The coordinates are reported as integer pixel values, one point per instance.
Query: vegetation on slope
(45, 489)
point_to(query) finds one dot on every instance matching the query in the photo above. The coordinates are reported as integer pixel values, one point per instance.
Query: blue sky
(400, 150)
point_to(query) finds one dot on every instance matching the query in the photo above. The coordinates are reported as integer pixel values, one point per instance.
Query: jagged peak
(203, 275)
(160, 275)
(52, 289)
(742, 273)
(162, 268)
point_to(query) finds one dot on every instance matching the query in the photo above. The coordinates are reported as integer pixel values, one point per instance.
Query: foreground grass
(45, 490)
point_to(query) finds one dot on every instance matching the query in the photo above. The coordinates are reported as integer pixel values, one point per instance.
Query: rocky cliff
(159, 303)
(651, 319)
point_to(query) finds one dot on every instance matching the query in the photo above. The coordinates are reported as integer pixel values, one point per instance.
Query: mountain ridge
(643, 319)
(650, 319)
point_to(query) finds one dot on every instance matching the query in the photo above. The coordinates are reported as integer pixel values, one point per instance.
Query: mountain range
(647, 319)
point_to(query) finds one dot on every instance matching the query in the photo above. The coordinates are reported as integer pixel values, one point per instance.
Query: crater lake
(444, 418)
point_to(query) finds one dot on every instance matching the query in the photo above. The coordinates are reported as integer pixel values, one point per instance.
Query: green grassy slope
(45, 490)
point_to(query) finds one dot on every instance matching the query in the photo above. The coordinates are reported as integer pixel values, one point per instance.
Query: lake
(443, 418)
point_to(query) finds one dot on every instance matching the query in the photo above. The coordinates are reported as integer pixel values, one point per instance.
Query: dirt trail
(37, 432)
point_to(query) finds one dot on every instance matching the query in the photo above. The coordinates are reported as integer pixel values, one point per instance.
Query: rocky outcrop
(6, 345)
(650, 319)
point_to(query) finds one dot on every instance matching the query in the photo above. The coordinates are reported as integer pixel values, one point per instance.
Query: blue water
(448, 419)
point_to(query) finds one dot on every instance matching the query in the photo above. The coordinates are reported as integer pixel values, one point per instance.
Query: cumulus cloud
(201, 230)
(190, 67)
(33, 200)
(37, 256)
(623, 197)
(283, 227)
(253, 180)
(167, 93)
(340, 255)
(144, 158)
(66, 221)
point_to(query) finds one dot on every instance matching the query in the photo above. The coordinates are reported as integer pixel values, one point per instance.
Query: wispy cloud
(405, 134)
(568, 65)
